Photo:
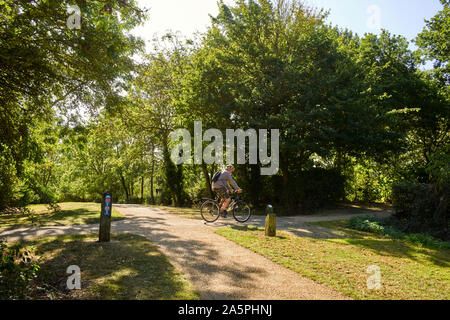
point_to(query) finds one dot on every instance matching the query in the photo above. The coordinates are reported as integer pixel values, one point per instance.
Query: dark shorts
(222, 193)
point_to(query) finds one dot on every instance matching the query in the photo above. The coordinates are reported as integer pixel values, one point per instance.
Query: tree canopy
(355, 113)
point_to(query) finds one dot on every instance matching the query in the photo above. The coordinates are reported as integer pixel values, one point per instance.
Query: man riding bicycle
(222, 188)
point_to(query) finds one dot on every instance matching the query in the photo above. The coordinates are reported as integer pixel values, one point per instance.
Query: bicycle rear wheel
(210, 211)
(241, 212)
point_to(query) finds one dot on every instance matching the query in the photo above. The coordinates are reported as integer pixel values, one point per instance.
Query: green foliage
(433, 44)
(422, 205)
(151, 112)
(367, 180)
(8, 177)
(403, 198)
(44, 66)
(319, 187)
(355, 114)
(265, 65)
(439, 166)
(18, 270)
(381, 226)
(54, 59)
(366, 223)
(103, 156)
(423, 208)
(427, 241)
(173, 181)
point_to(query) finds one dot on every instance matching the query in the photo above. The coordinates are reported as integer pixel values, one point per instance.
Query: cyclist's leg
(225, 197)
(225, 204)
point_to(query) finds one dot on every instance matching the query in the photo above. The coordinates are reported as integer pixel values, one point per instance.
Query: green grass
(128, 267)
(72, 213)
(373, 225)
(408, 271)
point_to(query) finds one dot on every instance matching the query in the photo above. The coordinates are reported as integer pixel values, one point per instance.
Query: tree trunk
(124, 185)
(152, 173)
(152, 195)
(179, 196)
(142, 189)
(255, 183)
(207, 180)
(131, 190)
(289, 200)
(440, 216)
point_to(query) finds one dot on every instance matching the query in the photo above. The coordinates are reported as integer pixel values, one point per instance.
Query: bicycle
(210, 209)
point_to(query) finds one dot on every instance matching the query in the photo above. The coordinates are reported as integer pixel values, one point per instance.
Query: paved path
(217, 267)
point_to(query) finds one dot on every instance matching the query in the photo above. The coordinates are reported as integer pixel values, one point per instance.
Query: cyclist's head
(230, 167)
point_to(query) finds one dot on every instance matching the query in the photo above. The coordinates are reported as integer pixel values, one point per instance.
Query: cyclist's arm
(233, 183)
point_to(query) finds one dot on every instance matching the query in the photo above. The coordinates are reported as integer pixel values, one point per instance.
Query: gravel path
(217, 267)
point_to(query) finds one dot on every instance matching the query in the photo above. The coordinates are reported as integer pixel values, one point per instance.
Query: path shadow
(300, 229)
(199, 259)
(253, 228)
(128, 267)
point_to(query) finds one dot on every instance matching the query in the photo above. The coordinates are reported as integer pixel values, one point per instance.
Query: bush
(318, 187)
(366, 223)
(18, 269)
(422, 208)
(381, 226)
(8, 178)
(439, 166)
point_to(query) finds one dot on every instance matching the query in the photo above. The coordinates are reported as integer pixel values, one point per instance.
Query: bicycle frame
(230, 208)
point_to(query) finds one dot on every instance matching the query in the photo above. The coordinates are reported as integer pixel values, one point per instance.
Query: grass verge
(408, 271)
(71, 213)
(129, 267)
(382, 226)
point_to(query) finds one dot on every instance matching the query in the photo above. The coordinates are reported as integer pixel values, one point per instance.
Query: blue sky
(401, 17)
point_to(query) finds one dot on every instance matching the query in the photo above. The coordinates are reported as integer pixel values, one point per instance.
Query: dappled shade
(128, 267)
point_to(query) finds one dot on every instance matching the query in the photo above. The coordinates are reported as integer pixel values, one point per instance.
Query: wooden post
(271, 222)
(105, 218)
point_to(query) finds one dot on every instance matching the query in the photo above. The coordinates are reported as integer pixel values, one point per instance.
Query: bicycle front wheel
(210, 211)
(241, 212)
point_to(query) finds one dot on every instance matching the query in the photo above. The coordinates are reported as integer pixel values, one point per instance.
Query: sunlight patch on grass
(72, 213)
(128, 267)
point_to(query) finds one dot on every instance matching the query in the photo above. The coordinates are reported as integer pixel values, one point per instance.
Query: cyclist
(222, 188)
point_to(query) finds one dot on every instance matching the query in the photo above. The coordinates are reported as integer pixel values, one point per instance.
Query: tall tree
(433, 129)
(44, 63)
(267, 65)
(433, 44)
(151, 110)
